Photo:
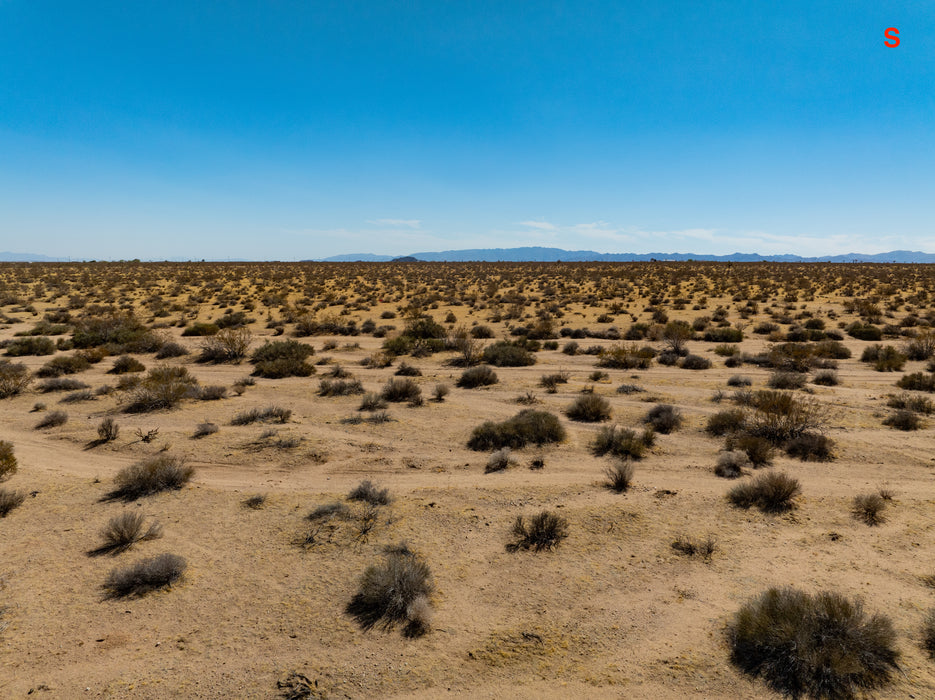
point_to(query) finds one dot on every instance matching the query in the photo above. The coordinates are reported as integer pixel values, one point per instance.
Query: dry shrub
(108, 430)
(7, 460)
(529, 426)
(398, 590)
(868, 508)
(928, 633)
(60, 384)
(759, 451)
(663, 418)
(499, 460)
(730, 465)
(125, 364)
(39, 345)
(372, 402)
(144, 576)
(827, 377)
(731, 420)
(270, 414)
(695, 362)
(205, 428)
(626, 356)
(282, 358)
(619, 442)
(123, 531)
(9, 500)
(903, 420)
(340, 387)
(163, 387)
(506, 354)
(908, 402)
(786, 380)
(399, 390)
(810, 447)
(14, 377)
(151, 475)
(369, 493)
(543, 531)
(917, 381)
(474, 377)
(822, 646)
(619, 475)
(771, 492)
(227, 345)
(690, 547)
(52, 420)
(589, 408)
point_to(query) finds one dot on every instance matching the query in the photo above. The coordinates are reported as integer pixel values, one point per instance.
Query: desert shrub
(499, 460)
(690, 547)
(407, 370)
(550, 382)
(731, 420)
(543, 531)
(163, 387)
(205, 428)
(440, 392)
(254, 502)
(7, 460)
(161, 472)
(506, 354)
(63, 364)
(14, 377)
(33, 345)
(119, 333)
(396, 591)
(885, 358)
(868, 508)
(786, 380)
(928, 633)
(481, 332)
(227, 345)
(922, 347)
(917, 381)
(730, 465)
(60, 384)
(726, 350)
(529, 426)
(667, 358)
(779, 416)
(739, 380)
(908, 402)
(108, 430)
(864, 331)
(328, 511)
(570, 348)
(125, 530)
(663, 418)
(821, 646)
(77, 396)
(144, 576)
(759, 450)
(619, 442)
(52, 420)
(628, 389)
(826, 377)
(589, 408)
(340, 387)
(124, 364)
(399, 390)
(810, 447)
(171, 349)
(619, 475)
(372, 402)
(723, 334)
(695, 362)
(598, 376)
(9, 500)
(483, 375)
(771, 492)
(831, 349)
(282, 358)
(270, 414)
(903, 420)
(368, 492)
(200, 329)
(625, 357)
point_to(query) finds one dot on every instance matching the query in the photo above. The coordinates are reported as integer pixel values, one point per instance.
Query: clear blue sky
(290, 130)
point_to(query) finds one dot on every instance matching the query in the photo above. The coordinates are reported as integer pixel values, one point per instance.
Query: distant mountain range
(538, 254)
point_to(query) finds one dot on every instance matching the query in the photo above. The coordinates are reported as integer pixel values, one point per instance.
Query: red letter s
(891, 33)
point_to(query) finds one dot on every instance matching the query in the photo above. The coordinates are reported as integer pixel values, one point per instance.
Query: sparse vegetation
(145, 576)
(149, 476)
(771, 492)
(589, 408)
(529, 426)
(125, 530)
(543, 531)
(398, 590)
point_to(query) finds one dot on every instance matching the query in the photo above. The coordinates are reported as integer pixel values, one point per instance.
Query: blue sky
(295, 130)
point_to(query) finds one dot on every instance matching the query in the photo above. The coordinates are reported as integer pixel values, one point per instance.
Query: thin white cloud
(406, 223)
(541, 225)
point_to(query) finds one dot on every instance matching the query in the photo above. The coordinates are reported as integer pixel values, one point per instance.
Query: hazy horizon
(296, 131)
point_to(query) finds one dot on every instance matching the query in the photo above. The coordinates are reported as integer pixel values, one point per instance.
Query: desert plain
(637, 601)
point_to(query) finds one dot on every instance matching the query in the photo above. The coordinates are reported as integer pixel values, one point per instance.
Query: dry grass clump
(543, 531)
(123, 531)
(820, 646)
(340, 387)
(254, 502)
(368, 492)
(52, 419)
(407, 370)
(620, 442)
(9, 500)
(144, 576)
(690, 547)
(78, 396)
(663, 418)
(8, 463)
(204, 429)
(619, 475)
(372, 402)
(440, 392)
(771, 492)
(529, 426)
(589, 408)
(151, 475)
(398, 590)
(868, 508)
(474, 377)
(270, 414)
(14, 377)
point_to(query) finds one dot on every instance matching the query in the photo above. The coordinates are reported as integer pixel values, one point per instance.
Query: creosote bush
(503, 353)
(543, 531)
(398, 590)
(903, 420)
(621, 442)
(810, 447)
(663, 418)
(820, 646)
(474, 377)
(163, 387)
(402, 389)
(589, 408)
(150, 475)
(282, 358)
(125, 364)
(125, 530)
(340, 387)
(771, 492)
(731, 420)
(529, 426)
(144, 576)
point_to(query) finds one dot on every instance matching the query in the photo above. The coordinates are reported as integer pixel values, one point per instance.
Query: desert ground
(611, 610)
